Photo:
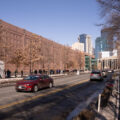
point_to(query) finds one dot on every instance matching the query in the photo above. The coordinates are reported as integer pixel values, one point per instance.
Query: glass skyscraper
(101, 43)
(86, 39)
(98, 46)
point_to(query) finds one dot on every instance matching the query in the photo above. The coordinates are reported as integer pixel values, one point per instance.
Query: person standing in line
(21, 73)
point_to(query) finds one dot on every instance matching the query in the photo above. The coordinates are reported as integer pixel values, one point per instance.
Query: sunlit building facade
(108, 60)
(78, 46)
(98, 46)
(50, 55)
(102, 43)
(86, 39)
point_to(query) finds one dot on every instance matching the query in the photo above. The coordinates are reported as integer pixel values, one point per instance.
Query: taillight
(91, 74)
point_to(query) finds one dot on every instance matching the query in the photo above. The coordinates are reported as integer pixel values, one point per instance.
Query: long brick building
(50, 54)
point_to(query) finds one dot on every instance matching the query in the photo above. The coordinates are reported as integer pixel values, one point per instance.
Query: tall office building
(101, 43)
(86, 39)
(104, 38)
(93, 51)
(98, 46)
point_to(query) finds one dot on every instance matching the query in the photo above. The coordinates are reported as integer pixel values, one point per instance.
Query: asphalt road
(47, 104)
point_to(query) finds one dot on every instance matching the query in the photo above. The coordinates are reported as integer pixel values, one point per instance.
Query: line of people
(8, 73)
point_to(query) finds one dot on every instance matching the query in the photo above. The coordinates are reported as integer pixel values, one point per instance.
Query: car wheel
(17, 91)
(50, 85)
(35, 89)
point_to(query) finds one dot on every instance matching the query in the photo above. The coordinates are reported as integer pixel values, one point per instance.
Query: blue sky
(58, 20)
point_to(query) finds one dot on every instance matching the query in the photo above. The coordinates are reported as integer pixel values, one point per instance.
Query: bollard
(117, 99)
(99, 101)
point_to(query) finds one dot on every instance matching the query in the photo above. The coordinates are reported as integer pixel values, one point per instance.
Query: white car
(96, 75)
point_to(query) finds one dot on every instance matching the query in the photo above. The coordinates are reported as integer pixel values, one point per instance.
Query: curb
(83, 106)
(89, 110)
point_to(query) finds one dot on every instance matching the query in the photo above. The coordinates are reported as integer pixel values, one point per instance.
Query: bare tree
(66, 57)
(5, 50)
(32, 53)
(17, 57)
(79, 58)
(110, 10)
(49, 58)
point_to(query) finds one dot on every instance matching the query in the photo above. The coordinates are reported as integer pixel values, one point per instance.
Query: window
(46, 77)
(42, 77)
(31, 78)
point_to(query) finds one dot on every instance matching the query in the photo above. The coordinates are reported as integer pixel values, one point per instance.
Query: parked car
(34, 83)
(96, 75)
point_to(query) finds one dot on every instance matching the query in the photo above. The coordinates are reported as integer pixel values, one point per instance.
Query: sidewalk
(109, 110)
(6, 80)
(15, 79)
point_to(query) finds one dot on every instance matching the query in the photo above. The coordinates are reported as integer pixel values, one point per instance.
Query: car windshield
(31, 78)
(95, 72)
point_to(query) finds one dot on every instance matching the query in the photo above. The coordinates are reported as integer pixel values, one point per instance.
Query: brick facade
(55, 55)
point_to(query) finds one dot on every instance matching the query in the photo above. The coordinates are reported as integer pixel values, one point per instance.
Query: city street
(60, 60)
(47, 104)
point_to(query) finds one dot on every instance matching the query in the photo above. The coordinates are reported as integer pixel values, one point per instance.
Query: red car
(34, 83)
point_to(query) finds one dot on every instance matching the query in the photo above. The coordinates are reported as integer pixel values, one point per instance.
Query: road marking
(76, 77)
(41, 95)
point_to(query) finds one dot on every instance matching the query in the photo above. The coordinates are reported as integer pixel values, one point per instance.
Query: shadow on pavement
(56, 105)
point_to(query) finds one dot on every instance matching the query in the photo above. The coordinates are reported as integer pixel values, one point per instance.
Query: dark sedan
(34, 83)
